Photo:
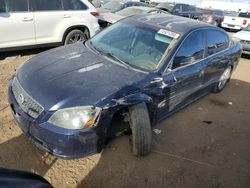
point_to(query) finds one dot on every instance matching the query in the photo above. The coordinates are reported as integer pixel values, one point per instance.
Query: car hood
(73, 76)
(243, 35)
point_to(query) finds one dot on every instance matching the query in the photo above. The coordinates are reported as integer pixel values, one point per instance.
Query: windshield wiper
(110, 55)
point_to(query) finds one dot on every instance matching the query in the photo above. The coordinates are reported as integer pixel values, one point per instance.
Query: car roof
(142, 8)
(178, 24)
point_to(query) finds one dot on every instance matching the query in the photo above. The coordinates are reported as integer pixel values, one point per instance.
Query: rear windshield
(167, 6)
(204, 11)
(218, 12)
(113, 5)
(244, 14)
(130, 11)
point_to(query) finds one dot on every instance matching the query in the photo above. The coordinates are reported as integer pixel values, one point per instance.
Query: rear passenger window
(74, 5)
(192, 8)
(16, 5)
(191, 50)
(46, 5)
(216, 41)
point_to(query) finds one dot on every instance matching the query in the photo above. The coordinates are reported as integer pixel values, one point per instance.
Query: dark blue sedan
(133, 74)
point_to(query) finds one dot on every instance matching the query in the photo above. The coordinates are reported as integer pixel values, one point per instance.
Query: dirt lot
(205, 145)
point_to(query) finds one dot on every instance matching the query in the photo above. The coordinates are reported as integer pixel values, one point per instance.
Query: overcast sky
(198, 1)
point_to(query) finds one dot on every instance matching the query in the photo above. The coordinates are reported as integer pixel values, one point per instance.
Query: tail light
(244, 22)
(210, 18)
(95, 14)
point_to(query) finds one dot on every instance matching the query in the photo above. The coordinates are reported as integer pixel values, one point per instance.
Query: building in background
(223, 5)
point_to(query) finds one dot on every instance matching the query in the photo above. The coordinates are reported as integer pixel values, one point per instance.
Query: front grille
(27, 103)
(245, 42)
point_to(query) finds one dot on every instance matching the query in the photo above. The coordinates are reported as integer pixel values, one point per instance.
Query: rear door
(217, 55)
(50, 20)
(186, 75)
(16, 24)
(185, 11)
(79, 12)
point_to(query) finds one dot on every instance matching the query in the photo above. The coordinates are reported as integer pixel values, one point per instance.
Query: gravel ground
(205, 145)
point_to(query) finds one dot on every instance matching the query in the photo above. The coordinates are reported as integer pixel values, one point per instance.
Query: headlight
(75, 118)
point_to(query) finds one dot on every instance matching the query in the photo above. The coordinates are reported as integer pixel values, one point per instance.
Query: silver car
(244, 38)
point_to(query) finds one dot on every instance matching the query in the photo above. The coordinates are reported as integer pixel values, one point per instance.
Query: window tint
(2, 6)
(219, 13)
(74, 5)
(244, 14)
(191, 50)
(185, 8)
(177, 8)
(192, 8)
(128, 4)
(43, 5)
(216, 41)
(16, 5)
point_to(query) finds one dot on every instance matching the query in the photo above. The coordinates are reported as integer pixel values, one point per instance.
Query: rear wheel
(224, 79)
(76, 36)
(141, 129)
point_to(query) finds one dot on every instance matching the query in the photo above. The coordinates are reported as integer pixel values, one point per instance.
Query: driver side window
(191, 50)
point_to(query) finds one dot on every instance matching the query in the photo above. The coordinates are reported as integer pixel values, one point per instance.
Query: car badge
(21, 98)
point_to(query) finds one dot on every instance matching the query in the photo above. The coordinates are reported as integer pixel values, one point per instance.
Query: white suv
(30, 23)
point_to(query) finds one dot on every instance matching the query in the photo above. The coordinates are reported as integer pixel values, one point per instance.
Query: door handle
(26, 19)
(66, 16)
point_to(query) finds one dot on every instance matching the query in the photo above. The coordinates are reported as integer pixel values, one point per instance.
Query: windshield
(168, 6)
(134, 43)
(113, 5)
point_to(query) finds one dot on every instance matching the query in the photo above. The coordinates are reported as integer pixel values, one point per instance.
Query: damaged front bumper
(60, 142)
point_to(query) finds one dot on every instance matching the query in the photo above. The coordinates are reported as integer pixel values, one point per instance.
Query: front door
(186, 74)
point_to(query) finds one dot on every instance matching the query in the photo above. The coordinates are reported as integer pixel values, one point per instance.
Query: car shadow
(26, 52)
(245, 56)
(29, 158)
(204, 145)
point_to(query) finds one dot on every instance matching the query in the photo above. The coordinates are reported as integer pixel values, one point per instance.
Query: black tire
(76, 36)
(141, 129)
(217, 87)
